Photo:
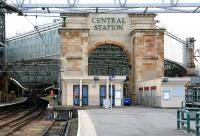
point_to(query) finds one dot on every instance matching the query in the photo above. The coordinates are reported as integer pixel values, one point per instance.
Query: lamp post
(111, 78)
(111, 94)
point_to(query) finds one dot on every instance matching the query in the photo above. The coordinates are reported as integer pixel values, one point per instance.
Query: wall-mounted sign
(166, 94)
(108, 23)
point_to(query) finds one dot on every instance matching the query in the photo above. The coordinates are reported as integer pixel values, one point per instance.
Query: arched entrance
(107, 60)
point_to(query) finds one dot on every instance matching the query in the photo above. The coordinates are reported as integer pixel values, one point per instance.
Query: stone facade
(153, 92)
(134, 33)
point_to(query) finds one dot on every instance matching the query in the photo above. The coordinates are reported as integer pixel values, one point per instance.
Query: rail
(57, 128)
(22, 123)
(21, 115)
(61, 121)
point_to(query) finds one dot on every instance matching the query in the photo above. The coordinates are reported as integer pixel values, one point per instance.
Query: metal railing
(197, 123)
(181, 120)
(185, 115)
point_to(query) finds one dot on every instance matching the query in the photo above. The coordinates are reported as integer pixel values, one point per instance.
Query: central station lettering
(108, 23)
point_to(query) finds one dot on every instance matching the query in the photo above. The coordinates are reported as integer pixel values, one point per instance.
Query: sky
(182, 25)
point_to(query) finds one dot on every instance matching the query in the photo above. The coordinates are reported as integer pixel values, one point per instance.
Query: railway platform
(17, 100)
(129, 121)
(86, 127)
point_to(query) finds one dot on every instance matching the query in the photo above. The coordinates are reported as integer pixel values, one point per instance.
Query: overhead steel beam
(109, 11)
(145, 10)
(9, 8)
(174, 6)
(196, 9)
(174, 2)
(1, 44)
(69, 3)
(111, 5)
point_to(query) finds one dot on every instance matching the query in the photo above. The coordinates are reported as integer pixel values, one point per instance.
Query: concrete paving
(135, 121)
(86, 127)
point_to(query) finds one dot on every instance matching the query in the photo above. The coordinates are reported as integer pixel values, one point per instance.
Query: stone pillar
(65, 100)
(74, 48)
(148, 55)
(190, 56)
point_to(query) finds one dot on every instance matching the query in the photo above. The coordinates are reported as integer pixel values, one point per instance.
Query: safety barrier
(192, 114)
(197, 123)
(181, 120)
(61, 114)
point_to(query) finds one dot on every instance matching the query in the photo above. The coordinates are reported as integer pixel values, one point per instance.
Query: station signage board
(108, 23)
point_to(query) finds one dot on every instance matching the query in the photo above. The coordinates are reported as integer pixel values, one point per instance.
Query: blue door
(113, 94)
(85, 95)
(76, 95)
(102, 94)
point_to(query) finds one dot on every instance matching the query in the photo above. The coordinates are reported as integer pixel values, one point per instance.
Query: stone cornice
(75, 14)
(74, 29)
(146, 30)
(140, 15)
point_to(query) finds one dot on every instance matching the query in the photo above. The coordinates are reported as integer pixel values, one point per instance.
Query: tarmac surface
(135, 121)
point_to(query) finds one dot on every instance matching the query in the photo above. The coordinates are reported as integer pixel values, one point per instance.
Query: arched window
(108, 59)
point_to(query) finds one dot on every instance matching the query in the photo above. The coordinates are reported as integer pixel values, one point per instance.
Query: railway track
(14, 125)
(57, 128)
(17, 111)
(23, 119)
(60, 126)
(12, 120)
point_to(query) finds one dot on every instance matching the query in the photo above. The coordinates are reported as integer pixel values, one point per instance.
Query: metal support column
(81, 92)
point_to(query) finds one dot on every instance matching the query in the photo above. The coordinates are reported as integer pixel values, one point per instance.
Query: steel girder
(126, 6)
(174, 69)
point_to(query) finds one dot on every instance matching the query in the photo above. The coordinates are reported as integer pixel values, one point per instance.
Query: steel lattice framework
(112, 6)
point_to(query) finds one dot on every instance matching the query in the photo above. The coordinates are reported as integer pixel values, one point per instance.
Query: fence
(181, 120)
(186, 115)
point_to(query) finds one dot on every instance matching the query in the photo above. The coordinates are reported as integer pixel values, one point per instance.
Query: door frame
(74, 86)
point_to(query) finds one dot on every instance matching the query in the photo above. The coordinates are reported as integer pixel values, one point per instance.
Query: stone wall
(148, 49)
(143, 44)
(74, 48)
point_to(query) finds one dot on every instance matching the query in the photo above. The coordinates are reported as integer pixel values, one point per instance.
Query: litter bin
(127, 101)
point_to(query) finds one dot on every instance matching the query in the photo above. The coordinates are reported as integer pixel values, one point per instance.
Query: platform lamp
(111, 78)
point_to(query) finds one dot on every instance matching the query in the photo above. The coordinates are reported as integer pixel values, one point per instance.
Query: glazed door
(85, 95)
(76, 95)
(102, 94)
